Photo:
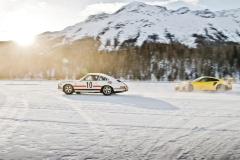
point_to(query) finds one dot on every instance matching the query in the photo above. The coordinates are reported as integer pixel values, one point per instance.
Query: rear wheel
(107, 90)
(188, 88)
(68, 89)
(220, 88)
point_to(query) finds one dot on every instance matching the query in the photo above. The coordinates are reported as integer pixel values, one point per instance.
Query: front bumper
(123, 89)
(118, 90)
(177, 88)
(126, 88)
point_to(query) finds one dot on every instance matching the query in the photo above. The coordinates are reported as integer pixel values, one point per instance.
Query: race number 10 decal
(89, 84)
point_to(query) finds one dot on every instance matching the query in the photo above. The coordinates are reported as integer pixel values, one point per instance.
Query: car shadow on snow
(129, 100)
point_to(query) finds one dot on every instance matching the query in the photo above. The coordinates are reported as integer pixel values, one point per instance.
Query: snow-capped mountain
(141, 22)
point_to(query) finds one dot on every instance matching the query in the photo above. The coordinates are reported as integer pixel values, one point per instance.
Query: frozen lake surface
(151, 121)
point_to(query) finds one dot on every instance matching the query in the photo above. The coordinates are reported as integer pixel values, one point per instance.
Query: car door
(205, 84)
(102, 81)
(213, 83)
(200, 84)
(87, 84)
(197, 84)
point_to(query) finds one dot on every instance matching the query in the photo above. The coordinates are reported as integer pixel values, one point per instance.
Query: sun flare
(24, 40)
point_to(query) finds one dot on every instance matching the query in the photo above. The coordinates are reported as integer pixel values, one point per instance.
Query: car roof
(100, 74)
(96, 74)
(209, 77)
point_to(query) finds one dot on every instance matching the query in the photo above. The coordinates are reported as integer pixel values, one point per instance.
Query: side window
(88, 78)
(95, 77)
(91, 78)
(101, 78)
(210, 80)
(204, 80)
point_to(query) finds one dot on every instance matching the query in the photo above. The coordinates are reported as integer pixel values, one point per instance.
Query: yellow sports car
(205, 84)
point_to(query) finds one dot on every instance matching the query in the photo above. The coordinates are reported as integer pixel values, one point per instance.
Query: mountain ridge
(143, 22)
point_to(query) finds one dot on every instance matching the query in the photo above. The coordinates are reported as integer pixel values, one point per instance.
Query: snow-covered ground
(151, 121)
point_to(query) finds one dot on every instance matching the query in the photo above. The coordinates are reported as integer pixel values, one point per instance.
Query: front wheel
(188, 88)
(107, 90)
(68, 89)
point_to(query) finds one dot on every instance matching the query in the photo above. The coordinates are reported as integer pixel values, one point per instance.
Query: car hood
(64, 82)
(184, 83)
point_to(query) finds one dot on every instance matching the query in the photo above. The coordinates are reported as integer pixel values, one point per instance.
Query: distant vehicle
(93, 83)
(205, 84)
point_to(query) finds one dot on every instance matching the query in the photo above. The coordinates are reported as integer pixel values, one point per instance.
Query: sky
(27, 18)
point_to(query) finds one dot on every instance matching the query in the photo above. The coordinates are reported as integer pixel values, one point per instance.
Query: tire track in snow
(2, 100)
(111, 137)
(207, 145)
(189, 145)
(205, 134)
(216, 143)
(5, 108)
(157, 140)
(98, 126)
(8, 129)
(195, 139)
(171, 136)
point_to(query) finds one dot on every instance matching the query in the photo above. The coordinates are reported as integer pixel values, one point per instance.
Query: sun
(24, 40)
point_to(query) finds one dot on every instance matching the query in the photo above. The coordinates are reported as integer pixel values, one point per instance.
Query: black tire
(221, 88)
(78, 92)
(188, 88)
(107, 90)
(68, 89)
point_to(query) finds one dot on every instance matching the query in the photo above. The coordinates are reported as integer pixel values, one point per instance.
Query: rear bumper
(60, 88)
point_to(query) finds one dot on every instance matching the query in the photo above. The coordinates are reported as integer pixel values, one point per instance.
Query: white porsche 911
(93, 83)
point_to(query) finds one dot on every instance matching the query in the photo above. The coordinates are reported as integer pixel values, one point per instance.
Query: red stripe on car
(79, 86)
(97, 86)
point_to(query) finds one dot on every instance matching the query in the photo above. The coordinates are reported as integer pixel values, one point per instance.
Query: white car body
(93, 83)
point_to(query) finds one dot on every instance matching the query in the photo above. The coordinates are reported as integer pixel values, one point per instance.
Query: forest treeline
(151, 61)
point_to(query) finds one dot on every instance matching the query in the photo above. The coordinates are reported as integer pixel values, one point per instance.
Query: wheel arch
(189, 85)
(221, 84)
(68, 84)
(101, 91)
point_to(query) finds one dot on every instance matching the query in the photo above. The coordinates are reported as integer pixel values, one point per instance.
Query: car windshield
(196, 80)
(101, 78)
(82, 78)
